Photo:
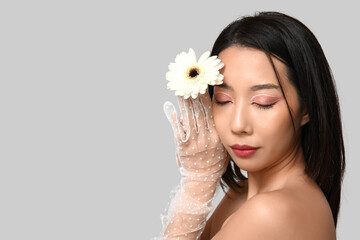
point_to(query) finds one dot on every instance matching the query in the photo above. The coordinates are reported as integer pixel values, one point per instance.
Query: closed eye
(221, 102)
(264, 106)
(256, 104)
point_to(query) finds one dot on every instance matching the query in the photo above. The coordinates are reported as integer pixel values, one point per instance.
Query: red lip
(242, 147)
(243, 150)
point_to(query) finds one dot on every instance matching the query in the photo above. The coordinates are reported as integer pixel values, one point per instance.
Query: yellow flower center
(193, 72)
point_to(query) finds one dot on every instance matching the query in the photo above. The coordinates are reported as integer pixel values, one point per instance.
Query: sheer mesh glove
(202, 160)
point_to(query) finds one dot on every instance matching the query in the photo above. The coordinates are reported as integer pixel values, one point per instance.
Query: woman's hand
(200, 153)
(202, 160)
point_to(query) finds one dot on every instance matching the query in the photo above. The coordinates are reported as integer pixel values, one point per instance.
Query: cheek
(221, 122)
(217, 119)
(275, 128)
(271, 127)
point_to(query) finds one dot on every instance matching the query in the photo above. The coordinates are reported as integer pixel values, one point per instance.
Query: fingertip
(169, 110)
(168, 107)
(174, 117)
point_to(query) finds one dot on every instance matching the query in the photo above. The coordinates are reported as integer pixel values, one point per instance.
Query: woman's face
(249, 109)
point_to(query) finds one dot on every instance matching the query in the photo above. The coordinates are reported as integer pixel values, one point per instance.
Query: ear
(304, 118)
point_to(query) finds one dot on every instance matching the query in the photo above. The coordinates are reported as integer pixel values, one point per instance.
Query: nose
(241, 122)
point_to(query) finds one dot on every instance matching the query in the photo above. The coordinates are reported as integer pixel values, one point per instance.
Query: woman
(277, 116)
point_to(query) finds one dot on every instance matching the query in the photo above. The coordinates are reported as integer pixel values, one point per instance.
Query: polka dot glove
(202, 160)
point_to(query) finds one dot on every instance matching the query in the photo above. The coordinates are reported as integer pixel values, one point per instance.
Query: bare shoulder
(229, 204)
(289, 213)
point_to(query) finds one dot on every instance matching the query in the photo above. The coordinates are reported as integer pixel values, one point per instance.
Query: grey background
(85, 149)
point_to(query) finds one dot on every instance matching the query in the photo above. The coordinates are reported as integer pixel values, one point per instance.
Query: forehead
(248, 66)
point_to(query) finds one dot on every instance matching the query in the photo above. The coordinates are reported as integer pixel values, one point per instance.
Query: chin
(248, 165)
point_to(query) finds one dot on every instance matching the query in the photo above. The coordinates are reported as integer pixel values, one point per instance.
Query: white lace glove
(202, 160)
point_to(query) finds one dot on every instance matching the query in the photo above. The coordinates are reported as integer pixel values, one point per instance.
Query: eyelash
(256, 104)
(264, 106)
(221, 103)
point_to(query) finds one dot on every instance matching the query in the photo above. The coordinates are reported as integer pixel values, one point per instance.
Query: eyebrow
(252, 88)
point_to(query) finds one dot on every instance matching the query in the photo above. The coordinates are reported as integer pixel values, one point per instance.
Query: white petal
(221, 65)
(209, 60)
(220, 77)
(179, 57)
(211, 77)
(171, 76)
(194, 95)
(192, 55)
(213, 63)
(168, 76)
(219, 82)
(173, 66)
(171, 86)
(203, 57)
(209, 73)
(204, 86)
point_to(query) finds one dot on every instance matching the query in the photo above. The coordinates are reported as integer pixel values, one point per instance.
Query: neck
(277, 175)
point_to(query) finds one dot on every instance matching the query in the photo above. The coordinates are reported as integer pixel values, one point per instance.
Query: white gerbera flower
(189, 77)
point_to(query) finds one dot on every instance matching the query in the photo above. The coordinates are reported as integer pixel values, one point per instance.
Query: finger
(188, 115)
(207, 106)
(171, 115)
(184, 110)
(199, 115)
(177, 157)
(192, 118)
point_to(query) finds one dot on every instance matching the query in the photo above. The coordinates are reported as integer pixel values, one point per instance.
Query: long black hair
(286, 38)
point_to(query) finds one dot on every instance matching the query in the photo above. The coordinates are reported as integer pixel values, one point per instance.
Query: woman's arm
(202, 161)
(270, 215)
(188, 221)
(229, 204)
